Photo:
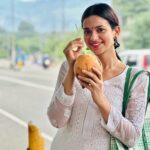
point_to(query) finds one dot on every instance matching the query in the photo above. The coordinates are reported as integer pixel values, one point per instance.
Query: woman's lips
(95, 45)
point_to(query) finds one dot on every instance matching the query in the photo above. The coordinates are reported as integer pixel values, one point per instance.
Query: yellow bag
(35, 139)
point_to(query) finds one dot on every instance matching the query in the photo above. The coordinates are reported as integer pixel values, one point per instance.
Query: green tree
(139, 34)
(2, 30)
(4, 42)
(26, 29)
(130, 9)
(135, 23)
(56, 43)
(28, 45)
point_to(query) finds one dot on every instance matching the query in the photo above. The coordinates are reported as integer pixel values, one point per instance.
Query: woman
(87, 117)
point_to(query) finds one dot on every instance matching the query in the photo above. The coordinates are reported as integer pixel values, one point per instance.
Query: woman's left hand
(94, 82)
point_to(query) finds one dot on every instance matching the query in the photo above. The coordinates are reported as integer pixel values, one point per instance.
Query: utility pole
(53, 24)
(63, 16)
(112, 3)
(12, 48)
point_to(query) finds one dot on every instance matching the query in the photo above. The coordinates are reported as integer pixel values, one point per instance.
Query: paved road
(25, 96)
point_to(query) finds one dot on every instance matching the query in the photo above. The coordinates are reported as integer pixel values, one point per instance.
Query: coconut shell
(86, 62)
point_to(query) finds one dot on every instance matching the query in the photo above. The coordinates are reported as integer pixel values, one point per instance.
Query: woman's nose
(94, 36)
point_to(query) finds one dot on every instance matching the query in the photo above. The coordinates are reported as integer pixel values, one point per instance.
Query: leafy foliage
(30, 42)
(135, 22)
(26, 29)
(56, 43)
(139, 32)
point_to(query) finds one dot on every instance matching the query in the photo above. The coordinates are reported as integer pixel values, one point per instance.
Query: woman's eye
(100, 30)
(86, 32)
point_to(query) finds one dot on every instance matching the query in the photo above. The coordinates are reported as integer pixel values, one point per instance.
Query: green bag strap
(127, 90)
(133, 80)
(148, 98)
(125, 97)
(128, 86)
(126, 93)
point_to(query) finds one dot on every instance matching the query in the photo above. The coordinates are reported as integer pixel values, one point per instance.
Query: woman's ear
(117, 31)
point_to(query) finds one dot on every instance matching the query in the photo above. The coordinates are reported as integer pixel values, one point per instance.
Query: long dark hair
(104, 11)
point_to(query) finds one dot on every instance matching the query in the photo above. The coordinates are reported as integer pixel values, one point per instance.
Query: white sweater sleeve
(59, 110)
(128, 129)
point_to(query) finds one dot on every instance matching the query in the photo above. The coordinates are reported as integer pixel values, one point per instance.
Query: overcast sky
(45, 15)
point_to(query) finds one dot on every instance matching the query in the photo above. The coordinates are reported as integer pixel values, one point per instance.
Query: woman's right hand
(73, 50)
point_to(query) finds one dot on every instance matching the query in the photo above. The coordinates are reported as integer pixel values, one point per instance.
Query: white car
(137, 58)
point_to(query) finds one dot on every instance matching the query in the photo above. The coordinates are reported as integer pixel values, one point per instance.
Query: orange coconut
(86, 62)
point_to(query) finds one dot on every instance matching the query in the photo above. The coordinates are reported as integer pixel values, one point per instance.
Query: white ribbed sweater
(81, 125)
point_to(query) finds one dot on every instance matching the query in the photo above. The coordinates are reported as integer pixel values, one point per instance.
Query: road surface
(25, 96)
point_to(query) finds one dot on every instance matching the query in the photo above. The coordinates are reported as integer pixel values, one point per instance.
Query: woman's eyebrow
(99, 26)
(86, 28)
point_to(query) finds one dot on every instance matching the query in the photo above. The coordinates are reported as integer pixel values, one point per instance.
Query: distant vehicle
(137, 58)
(46, 61)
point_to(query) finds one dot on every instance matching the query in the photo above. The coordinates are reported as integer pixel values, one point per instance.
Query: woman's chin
(97, 52)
